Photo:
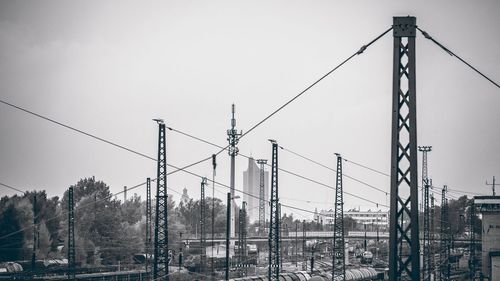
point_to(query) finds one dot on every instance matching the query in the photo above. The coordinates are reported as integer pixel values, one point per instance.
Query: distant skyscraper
(251, 185)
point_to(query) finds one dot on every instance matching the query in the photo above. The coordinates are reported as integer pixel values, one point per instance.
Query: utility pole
(444, 233)
(233, 137)
(203, 233)
(472, 244)
(432, 232)
(161, 256)
(242, 240)
(149, 239)
(304, 244)
(228, 231)
(33, 256)
(492, 186)
(338, 227)
(214, 166)
(262, 208)
(296, 243)
(274, 221)
(71, 235)
(426, 270)
(404, 258)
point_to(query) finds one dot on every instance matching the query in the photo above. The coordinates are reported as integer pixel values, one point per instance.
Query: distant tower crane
(274, 222)
(427, 238)
(161, 255)
(262, 202)
(338, 227)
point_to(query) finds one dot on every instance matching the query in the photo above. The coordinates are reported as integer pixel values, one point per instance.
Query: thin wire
(331, 169)
(427, 36)
(366, 167)
(13, 188)
(289, 172)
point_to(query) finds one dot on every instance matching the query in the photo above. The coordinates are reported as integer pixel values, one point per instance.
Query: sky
(110, 67)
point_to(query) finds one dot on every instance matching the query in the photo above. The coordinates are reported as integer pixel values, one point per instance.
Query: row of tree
(108, 231)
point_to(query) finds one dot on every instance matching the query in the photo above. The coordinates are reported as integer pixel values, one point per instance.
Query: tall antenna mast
(233, 137)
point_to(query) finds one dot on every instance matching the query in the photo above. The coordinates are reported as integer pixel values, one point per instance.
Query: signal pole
(404, 258)
(492, 186)
(233, 137)
(444, 233)
(338, 227)
(425, 186)
(71, 235)
(214, 166)
(262, 208)
(160, 267)
(203, 234)
(149, 239)
(274, 224)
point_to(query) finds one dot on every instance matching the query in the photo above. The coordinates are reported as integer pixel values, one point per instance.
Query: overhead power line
(427, 36)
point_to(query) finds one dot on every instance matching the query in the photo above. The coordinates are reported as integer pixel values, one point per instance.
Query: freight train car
(288, 276)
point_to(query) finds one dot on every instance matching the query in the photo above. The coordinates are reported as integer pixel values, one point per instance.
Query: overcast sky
(109, 67)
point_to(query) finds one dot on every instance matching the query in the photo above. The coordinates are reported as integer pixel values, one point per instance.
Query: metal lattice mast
(426, 270)
(262, 206)
(203, 231)
(404, 260)
(472, 244)
(35, 226)
(444, 255)
(233, 137)
(274, 230)
(71, 235)
(160, 267)
(149, 239)
(338, 227)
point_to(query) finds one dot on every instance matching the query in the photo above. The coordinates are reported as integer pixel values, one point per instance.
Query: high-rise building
(251, 185)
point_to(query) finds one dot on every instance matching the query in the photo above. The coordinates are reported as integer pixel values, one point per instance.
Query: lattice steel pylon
(160, 266)
(274, 225)
(71, 235)
(149, 238)
(262, 201)
(404, 260)
(203, 231)
(444, 255)
(426, 270)
(338, 227)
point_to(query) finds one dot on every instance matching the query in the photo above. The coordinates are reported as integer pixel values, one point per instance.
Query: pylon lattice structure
(426, 270)
(203, 231)
(262, 202)
(338, 227)
(444, 255)
(161, 256)
(149, 227)
(404, 260)
(71, 235)
(274, 225)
